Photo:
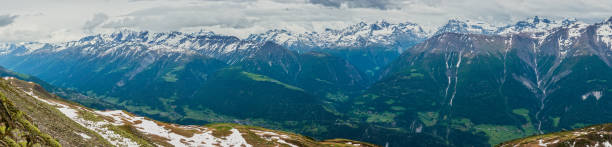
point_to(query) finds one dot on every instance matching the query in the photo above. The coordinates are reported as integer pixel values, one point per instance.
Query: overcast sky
(62, 20)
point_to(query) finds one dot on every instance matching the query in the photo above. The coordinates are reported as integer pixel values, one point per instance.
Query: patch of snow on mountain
(235, 139)
(5, 48)
(576, 29)
(100, 127)
(466, 26)
(596, 94)
(229, 48)
(202, 137)
(32, 46)
(537, 27)
(573, 32)
(85, 136)
(604, 34)
(607, 144)
(271, 136)
(541, 143)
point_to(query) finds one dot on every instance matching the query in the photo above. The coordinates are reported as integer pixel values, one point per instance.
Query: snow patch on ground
(98, 127)
(8, 78)
(235, 139)
(202, 137)
(354, 144)
(271, 136)
(85, 136)
(607, 144)
(596, 94)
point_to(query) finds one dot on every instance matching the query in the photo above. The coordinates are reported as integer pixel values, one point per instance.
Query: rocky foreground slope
(30, 116)
(597, 135)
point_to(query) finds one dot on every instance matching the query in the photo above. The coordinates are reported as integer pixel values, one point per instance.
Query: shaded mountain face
(33, 117)
(597, 135)
(496, 87)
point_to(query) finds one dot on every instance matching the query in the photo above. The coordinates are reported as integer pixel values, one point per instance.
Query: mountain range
(467, 84)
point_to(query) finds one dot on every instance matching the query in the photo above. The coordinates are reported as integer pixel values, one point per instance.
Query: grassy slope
(45, 117)
(253, 139)
(17, 128)
(63, 130)
(592, 135)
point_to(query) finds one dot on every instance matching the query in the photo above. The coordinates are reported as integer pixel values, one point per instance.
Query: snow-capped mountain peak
(380, 33)
(542, 24)
(466, 26)
(130, 43)
(277, 35)
(395, 36)
(537, 26)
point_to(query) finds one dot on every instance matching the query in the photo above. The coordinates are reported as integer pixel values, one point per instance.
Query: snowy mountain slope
(120, 128)
(537, 27)
(369, 47)
(604, 33)
(382, 33)
(127, 43)
(360, 35)
(356, 36)
(466, 26)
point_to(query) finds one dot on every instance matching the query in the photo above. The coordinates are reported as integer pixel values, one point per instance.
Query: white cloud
(44, 20)
(175, 18)
(377, 4)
